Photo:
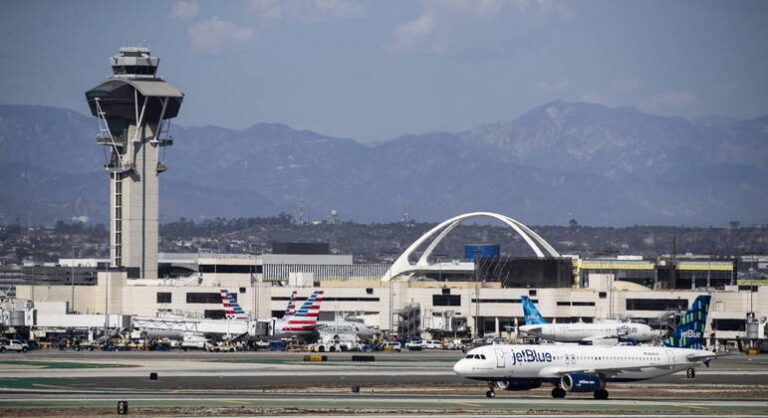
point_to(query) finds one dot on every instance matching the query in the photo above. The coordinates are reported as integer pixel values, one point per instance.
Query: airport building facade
(263, 285)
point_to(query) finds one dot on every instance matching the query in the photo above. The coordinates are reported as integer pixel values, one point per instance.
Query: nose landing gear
(491, 393)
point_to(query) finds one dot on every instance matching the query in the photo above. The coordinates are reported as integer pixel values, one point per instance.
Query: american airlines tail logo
(530, 356)
(232, 309)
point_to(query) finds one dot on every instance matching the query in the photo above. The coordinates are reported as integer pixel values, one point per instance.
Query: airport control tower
(134, 108)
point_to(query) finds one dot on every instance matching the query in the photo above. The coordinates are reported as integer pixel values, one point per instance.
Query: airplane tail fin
(690, 331)
(290, 310)
(232, 309)
(531, 315)
(305, 318)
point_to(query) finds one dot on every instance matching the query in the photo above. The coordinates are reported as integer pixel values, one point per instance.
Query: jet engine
(576, 382)
(518, 384)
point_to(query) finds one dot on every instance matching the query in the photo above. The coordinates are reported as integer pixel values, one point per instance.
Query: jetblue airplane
(578, 368)
(537, 326)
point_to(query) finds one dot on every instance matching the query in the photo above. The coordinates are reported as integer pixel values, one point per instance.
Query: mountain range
(559, 161)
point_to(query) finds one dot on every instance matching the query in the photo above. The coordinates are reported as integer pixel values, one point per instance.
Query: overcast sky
(373, 70)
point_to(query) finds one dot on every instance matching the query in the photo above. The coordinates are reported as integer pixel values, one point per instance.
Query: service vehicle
(7, 344)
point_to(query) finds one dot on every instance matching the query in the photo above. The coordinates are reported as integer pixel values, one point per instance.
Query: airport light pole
(106, 300)
(72, 280)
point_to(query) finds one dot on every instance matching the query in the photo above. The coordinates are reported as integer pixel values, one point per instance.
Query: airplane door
(570, 359)
(499, 358)
(670, 357)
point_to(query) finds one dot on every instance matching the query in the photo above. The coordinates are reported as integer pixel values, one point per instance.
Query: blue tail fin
(690, 331)
(531, 315)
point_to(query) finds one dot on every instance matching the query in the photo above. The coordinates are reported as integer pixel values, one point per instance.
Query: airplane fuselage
(345, 327)
(589, 332)
(548, 363)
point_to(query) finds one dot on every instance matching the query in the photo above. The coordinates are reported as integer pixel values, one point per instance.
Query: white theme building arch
(403, 265)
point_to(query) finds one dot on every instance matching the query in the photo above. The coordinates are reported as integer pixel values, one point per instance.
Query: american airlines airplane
(537, 326)
(296, 322)
(335, 327)
(578, 368)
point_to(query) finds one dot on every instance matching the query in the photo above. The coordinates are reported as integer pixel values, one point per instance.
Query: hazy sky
(373, 70)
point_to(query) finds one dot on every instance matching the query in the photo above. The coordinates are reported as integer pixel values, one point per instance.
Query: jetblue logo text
(530, 356)
(690, 334)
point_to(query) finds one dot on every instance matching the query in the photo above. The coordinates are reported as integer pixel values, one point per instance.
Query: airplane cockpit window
(476, 356)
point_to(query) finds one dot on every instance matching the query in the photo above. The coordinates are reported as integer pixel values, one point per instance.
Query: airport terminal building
(480, 304)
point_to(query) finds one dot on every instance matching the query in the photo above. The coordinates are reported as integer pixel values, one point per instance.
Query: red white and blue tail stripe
(305, 318)
(291, 309)
(232, 309)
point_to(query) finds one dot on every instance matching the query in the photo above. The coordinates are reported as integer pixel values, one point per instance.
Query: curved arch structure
(402, 265)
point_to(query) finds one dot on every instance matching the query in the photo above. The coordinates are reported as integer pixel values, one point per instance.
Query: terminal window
(163, 297)
(225, 268)
(214, 314)
(206, 297)
(574, 303)
(727, 324)
(657, 305)
(446, 300)
(494, 300)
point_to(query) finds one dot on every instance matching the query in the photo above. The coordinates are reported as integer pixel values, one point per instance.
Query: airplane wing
(701, 357)
(601, 338)
(532, 330)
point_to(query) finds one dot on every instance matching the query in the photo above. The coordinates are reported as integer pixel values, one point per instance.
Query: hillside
(561, 160)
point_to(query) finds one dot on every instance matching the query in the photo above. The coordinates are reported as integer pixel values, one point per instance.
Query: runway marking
(467, 403)
(697, 407)
(234, 401)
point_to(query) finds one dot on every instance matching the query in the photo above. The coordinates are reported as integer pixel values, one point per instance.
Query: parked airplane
(577, 368)
(232, 309)
(299, 322)
(302, 321)
(537, 326)
(291, 308)
(331, 328)
(345, 327)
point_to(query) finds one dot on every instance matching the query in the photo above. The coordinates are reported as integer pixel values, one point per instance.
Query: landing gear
(558, 393)
(491, 393)
(690, 373)
(601, 394)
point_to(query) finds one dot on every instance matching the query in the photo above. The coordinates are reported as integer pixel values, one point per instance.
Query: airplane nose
(460, 368)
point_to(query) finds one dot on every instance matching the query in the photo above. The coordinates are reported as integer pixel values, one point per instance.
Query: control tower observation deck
(134, 108)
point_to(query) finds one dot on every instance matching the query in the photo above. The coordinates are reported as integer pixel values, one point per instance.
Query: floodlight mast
(134, 108)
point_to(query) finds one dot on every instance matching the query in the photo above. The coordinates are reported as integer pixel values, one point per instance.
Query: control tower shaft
(134, 108)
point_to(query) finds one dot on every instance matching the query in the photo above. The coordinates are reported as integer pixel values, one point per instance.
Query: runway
(91, 383)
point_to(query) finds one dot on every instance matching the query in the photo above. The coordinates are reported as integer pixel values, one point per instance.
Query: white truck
(329, 343)
(195, 342)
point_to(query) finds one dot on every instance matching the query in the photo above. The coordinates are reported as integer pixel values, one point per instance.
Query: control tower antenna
(134, 108)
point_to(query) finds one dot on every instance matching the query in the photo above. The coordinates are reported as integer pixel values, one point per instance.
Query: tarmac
(60, 383)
